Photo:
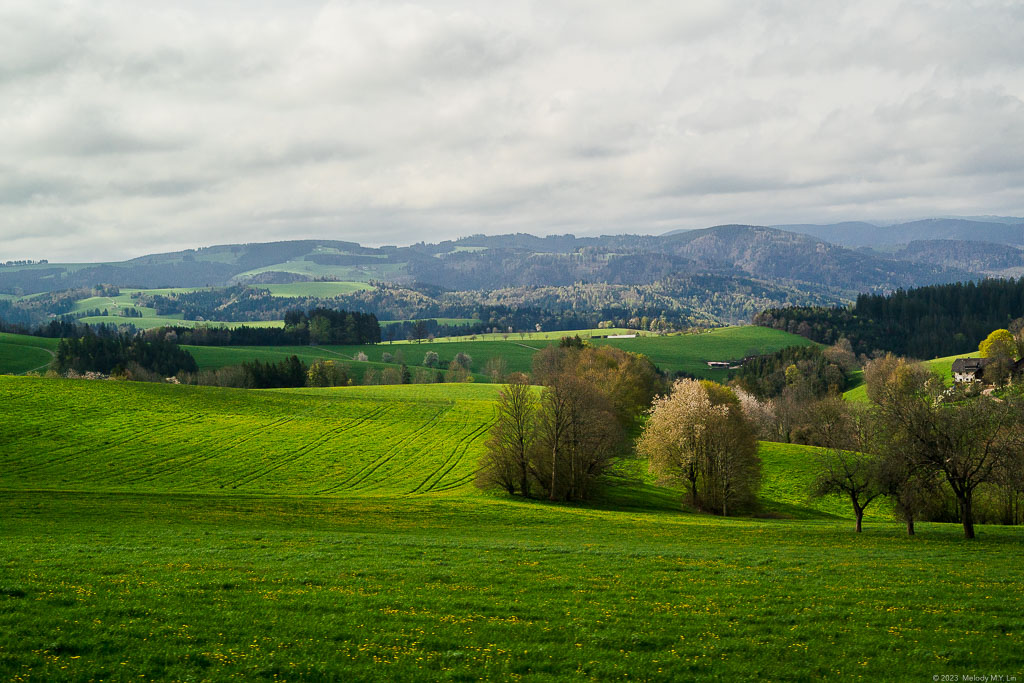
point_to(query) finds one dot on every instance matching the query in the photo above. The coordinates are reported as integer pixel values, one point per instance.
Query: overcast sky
(134, 127)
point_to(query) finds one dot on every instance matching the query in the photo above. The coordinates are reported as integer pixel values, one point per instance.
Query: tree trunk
(858, 512)
(967, 515)
(554, 463)
(524, 480)
(910, 526)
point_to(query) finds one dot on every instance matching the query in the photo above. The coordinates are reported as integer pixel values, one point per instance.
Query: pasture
(116, 436)
(358, 273)
(22, 353)
(167, 532)
(324, 290)
(686, 352)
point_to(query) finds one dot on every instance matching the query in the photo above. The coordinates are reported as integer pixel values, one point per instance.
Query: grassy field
(77, 435)
(524, 337)
(360, 273)
(688, 352)
(21, 353)
(691, 352)
(440, 321)
(316, 289)
(180, 533)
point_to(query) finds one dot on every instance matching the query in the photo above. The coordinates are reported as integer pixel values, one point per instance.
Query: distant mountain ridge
(874, 236)
(479, 262)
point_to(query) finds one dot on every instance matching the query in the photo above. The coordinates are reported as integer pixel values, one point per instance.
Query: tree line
(120, 354)
(925, 322)
(316, 326)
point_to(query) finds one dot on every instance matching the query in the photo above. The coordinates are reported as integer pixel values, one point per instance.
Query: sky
(137, 127)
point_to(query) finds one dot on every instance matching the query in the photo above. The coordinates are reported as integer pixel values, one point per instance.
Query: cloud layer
(132, 127)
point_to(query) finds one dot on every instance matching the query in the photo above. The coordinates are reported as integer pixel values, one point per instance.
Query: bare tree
(577, 437)
(506, 461)
(849, 466)
(496, 368)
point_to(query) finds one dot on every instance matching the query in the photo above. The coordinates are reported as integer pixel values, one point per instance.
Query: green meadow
(687, 352)
(316, 289)
(21, 353)
(193, 533)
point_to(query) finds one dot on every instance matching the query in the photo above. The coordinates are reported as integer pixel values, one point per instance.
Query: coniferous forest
(926, 322)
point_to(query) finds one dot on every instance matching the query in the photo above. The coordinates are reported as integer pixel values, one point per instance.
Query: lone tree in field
(506, 462)
(699, 436)
(849, 466)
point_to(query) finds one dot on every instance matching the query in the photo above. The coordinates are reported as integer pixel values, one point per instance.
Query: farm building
(969, 369)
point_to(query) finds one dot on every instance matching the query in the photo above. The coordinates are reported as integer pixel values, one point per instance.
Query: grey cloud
(133, 127)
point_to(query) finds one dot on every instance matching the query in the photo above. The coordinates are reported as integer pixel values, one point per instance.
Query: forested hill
(999, 231)
(487, 263)
(926, 322)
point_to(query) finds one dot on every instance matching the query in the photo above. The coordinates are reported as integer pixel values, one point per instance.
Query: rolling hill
(484, 263)
(858, 234)
(188, 533)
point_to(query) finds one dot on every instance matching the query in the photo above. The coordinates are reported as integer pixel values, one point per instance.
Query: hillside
(974, 255)
(858, 234)
(941, 366)
(689, 353)
(334, 534)
(79, 435)
(481, 262)
(21, 353)
(118, 436)
(778, 255)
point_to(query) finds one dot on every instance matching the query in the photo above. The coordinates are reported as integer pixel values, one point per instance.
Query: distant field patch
(165, 291)
(692, 352)
(360, 273)
(325, 290)
(689, 352)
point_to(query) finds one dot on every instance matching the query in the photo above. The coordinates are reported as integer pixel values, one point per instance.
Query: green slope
(22, 353)
(120, 436)
(788, 473)
(687, 352)
(315, 289)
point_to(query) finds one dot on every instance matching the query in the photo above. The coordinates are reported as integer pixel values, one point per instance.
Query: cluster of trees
(327, 326)
(120, 353)
(291, 372)
(927, 322)
(818, 371)
(556, 443)
(923, 444)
